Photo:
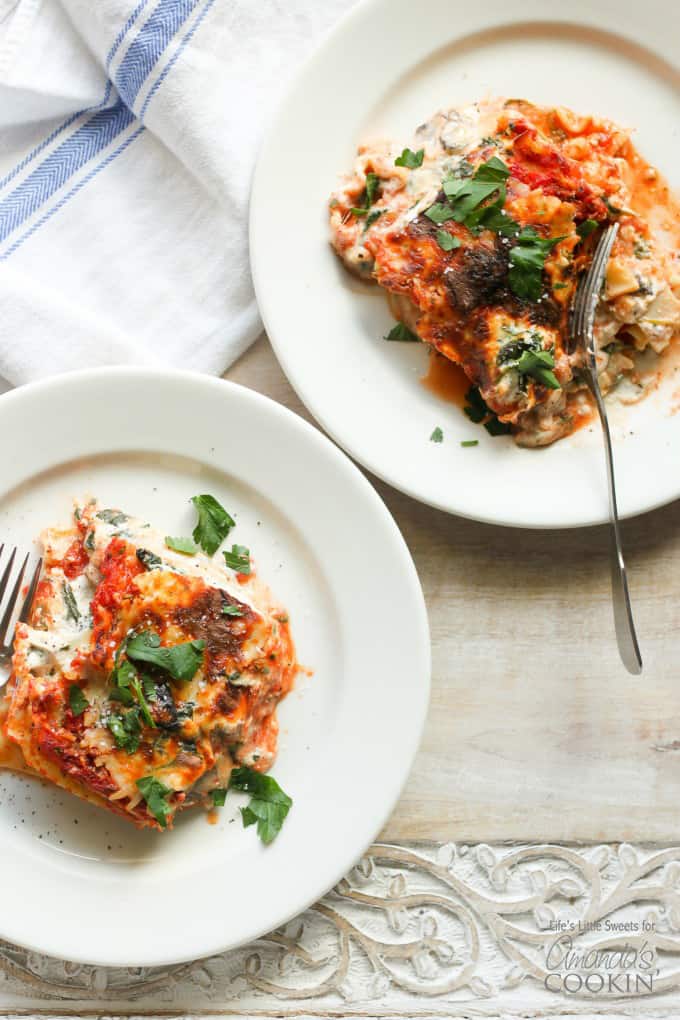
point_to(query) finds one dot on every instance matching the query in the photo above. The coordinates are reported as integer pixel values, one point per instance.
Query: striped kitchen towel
(128, 131)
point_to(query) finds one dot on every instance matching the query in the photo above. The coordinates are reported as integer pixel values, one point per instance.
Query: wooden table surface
(535, 730)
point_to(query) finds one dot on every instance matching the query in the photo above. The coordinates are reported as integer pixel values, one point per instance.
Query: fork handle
(626, 638)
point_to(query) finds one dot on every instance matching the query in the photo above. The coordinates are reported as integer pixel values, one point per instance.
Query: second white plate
(85, 885)
(385, 69)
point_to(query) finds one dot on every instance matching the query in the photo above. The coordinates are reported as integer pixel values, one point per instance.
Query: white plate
(383, 71)
(84, 885)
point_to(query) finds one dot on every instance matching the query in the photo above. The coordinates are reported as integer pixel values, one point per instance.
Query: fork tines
(588, 290)
(8, 577)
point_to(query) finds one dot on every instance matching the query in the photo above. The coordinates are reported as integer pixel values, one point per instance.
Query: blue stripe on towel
(55, 134)
(73, 191)
(166, 70)
(153, 38)
(124, 31)
(61, 164)
(115, 46)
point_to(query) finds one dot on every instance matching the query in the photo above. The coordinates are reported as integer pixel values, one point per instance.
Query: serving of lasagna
(479, 230)
(148, 677)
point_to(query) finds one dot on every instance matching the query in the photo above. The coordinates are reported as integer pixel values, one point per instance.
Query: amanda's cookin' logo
(620, 969)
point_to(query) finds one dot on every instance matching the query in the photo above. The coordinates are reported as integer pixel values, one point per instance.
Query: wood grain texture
(535, 730)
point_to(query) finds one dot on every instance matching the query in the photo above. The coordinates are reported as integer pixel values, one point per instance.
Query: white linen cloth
(128, 133)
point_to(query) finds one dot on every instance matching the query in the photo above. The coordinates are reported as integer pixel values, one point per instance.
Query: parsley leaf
(72, 611)
(214, 523)
(126, 730)
(374, 215)
(538, 365)
(149, 559)
(219, 797)
(77, 700)
(468, 194)
(527, 259)
(268, 805)
(586, 228)
(114, 517)
(126, 683)
(447, 241)
(156, 796)
(410, 159)
(437, 436)
(402, 332)
(180, 661)
(369, 196)
(238, 559)
(181, 545)
(231, 609)
(440, 212)
(470, 442)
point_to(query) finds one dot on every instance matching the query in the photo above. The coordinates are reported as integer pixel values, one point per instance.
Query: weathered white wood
(424, 930)
(535, 729)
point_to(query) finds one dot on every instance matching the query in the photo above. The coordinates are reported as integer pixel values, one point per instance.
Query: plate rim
(304, 392)
(344, 861)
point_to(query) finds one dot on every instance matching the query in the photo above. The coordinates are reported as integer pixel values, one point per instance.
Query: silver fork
(582, 320)
(6, 630)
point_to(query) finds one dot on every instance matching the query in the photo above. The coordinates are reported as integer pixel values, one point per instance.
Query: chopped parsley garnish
(440, 212)
(468, 197)
(72, 611)
(538, 365)
(477, 411)
(402, 332)
(127, 687)
(374, 215)
(77, 700)
(156, 796)
(470, 442)
(231, 609)
(181, 545)
(410, 159)
(126, 729)
(214, 523)
(149, 687)
(219, 797)
(268, 805)
(238, 559)
(114, 517)
(447, 241)
(527, 259)
(524, 353)
(369, 196)
(149, 559)
(586, 228)
(468, 194)
(437, 436)
(180, 661)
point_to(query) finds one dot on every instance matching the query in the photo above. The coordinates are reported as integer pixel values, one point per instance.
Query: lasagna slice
(479, 232)
(145, 674)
